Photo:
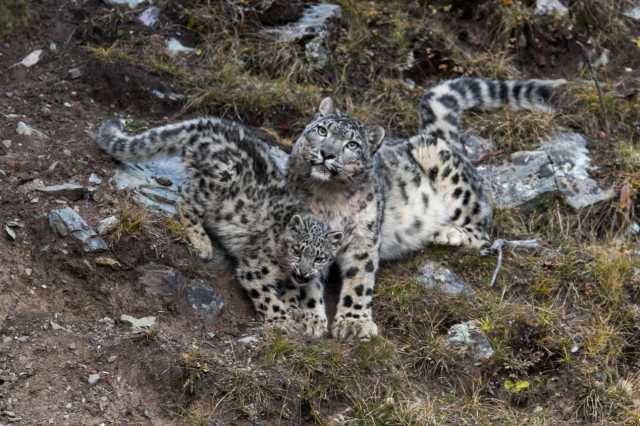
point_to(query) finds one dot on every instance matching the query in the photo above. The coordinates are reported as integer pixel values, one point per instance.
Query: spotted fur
(406, 194)
(433, 193)
(236, 194)
(441, 106)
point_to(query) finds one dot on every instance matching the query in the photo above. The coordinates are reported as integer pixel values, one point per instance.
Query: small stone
(107, 225)
(315, 20)
(10, 232)
(204, 300)
(174, 47)
(131, 3)
(149, 18)
(551, 7)
(434, 275)
(163, 180)
(633, 13)
(31, 59)
(316, 52)
(56, 326)
(24, 129)
(112, 358)
(108, 262)
(6, 143)
(467, 337)
(66, 222)
(249, 340)
(71, 190)
(138, 324)
(28, 272)
(94, 378)
(95, 179)
(75, 73)
(53, 47)
(68, 406)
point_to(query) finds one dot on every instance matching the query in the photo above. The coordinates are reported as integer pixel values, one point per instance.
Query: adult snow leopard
(405, 195)
(237, 194)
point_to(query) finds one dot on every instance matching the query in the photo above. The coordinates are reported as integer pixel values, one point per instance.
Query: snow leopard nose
(327, 155)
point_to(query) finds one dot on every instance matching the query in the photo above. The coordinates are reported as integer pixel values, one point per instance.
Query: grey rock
(434, 275)
(172, 96)
(476, 147)
(569, 156)
(174, 47)
(93, 378)
(131, 3)
(249, 340)
(315, 19)
(171, 287)
(75, 73)
(24, 129)
(561, 164)
(468, 338)
(10, 232)
(95, 179)
(66, 222)
(138, 324)
(149, 18)
(139, 178)
(551, 7)
(70, 190)
(633, 12)
(107, 225)
(527, 177)
(31, 59)
(204, 300)
(6, 143)
(316, 52)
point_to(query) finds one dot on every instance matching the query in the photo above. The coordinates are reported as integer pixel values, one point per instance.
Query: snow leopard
(237, 197)
(401, 194)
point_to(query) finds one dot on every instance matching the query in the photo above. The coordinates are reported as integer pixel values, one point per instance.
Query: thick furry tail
(442, 105)
(172, 139)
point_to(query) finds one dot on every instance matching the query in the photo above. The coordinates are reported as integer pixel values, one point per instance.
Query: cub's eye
(322, 131)
(353, 146)
(321, 259)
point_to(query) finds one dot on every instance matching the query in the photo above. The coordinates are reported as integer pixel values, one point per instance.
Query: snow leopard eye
(353, 146)
(322, 131)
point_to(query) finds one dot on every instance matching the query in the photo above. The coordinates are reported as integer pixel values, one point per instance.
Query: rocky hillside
(107, 318)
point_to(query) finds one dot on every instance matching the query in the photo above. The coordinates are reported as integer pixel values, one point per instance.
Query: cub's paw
(345, 328)
(286, 325)
(315, 325)
(289, 322)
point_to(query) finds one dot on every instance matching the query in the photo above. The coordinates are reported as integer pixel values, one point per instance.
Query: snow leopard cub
(237, 196)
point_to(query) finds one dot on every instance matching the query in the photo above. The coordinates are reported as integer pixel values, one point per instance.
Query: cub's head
(310, 247)
(336, 147)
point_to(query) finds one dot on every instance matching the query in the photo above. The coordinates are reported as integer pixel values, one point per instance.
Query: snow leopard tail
(441, 106)
(164, 141)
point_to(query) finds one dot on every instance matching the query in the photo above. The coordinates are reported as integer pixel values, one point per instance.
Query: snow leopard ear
(335, 238)
(297, 223)
(327, 107)
(375, 135)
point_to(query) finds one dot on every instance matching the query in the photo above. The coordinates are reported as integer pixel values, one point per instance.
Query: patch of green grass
(14, 14)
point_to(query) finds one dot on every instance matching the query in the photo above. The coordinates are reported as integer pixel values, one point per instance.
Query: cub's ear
(297, 223)
(327, 107)
(375, 136)
(335, 238)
